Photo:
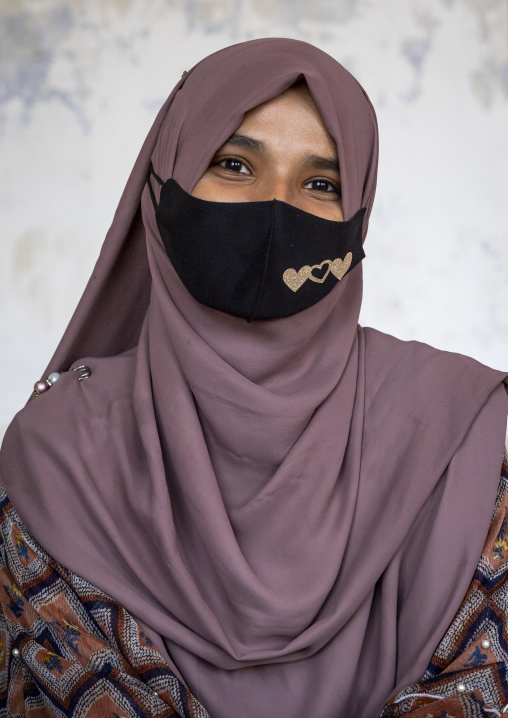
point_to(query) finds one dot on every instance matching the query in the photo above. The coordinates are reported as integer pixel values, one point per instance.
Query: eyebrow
(322, 163)
(315, 162)
(248, 143)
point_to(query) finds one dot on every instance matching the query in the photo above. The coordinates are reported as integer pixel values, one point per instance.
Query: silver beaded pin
(41, 386)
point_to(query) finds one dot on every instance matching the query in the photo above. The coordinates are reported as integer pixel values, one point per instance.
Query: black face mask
(256, 260)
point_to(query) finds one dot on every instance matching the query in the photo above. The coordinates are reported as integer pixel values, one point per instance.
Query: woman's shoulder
(395, 350)
(410, 361)
(413, 379)
(84, 399)
(88, 381)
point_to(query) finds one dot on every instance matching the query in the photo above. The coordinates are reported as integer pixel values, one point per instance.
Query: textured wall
(80, 83)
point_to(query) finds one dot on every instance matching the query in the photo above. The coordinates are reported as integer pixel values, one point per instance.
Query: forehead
(290, 119)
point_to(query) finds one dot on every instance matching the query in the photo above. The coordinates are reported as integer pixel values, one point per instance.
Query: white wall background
(80, 83)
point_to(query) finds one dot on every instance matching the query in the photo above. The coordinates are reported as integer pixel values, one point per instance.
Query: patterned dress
(67, 649)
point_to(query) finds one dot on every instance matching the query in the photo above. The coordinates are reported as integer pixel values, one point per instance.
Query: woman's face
(282, 151)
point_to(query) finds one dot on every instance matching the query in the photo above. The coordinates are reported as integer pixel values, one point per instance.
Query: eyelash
(231, 159)
(334, 187)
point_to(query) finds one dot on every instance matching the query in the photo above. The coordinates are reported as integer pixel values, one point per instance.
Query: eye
(321, 185)
(233, 164)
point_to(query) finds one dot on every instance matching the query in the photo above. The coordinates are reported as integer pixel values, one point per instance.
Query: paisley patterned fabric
(67, 649)
(468, 674)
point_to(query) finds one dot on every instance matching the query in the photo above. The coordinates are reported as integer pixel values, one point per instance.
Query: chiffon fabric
(81, 655)
(293, 509)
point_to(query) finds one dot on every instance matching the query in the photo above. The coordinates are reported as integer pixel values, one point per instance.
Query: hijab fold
(294, 507)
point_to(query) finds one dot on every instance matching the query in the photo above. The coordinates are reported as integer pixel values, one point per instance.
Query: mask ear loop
(151, 172)
(265, 268)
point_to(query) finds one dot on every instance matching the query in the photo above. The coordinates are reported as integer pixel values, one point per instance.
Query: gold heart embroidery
(295, 279)
(339, 267)
(319, 266)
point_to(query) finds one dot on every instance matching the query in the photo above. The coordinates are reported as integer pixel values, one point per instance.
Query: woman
(235, 501)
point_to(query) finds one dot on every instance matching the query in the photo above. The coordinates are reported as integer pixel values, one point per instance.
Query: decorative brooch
(41, 386)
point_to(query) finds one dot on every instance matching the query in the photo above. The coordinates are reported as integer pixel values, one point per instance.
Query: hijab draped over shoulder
(293, 508)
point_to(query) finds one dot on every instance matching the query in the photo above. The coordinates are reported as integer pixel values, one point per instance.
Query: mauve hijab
(292, 508)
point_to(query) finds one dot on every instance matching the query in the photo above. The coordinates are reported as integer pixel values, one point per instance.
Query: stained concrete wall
(80, 83)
